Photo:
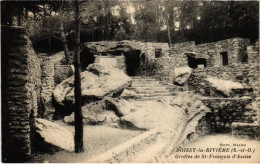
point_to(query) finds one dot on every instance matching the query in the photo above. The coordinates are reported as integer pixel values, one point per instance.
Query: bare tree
(79, 147)
(63, 34)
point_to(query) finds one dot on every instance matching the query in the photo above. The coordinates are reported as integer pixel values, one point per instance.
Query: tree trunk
(169, 31)
(92, 35)
(157, 19)
(49, 37)
(63, 36)
(107, 12)
(64, 42)
(77, 84)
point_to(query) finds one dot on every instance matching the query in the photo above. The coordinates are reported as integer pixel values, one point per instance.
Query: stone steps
(148, 88)
(175, 88)
(146, 85)
(155, 94)
(246, 130)
(246, 91)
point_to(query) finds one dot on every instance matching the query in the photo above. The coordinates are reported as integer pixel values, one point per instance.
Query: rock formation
(181, 75)
(96, 114)
(224, 86)
(97, 83)
(129, 94)
(164, 113)
(153, 114)
(143, 115)
(54, 134)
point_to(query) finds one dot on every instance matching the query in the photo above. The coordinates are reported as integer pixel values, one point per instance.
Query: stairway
(246, 129)
(148, 88)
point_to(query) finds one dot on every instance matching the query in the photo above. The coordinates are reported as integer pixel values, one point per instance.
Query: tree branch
(57, 38)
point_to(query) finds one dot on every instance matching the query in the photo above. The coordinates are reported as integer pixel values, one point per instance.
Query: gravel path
(97, 139)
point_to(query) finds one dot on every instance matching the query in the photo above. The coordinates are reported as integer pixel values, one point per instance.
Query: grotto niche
(132, 56)
(194, 60)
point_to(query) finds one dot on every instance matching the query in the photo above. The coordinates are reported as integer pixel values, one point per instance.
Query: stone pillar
(47, 88)
(20, 84)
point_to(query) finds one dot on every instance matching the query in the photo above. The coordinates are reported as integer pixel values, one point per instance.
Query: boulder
(190, 103)
(181, 75)
(54, 134)
(164, 112)
(120, 106)
(98, 47)
(153, 114)
(121, 49)
(95, 114)
(224, 86)
(96, 83)
(105, 48)
(129, 94)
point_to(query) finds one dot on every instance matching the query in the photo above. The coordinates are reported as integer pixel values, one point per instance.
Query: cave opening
(132, 61)
(193, 62)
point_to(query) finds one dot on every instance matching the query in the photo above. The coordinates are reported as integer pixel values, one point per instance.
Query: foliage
(157, 21)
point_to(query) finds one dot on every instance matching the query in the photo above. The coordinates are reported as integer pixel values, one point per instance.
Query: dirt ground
(97, 139)
(238, 150)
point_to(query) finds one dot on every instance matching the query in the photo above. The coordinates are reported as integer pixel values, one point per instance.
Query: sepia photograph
(130, 81)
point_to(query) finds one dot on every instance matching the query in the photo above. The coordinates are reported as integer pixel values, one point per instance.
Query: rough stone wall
(21, 79)
(47, 79)
(109, 61)
(34, 74)
(235, 48)
(151, 46)
(180, 48)
(246, 130)
(147, 48)
(70, 58)
(253, 59)
(121, 63)
(62, 72)
(47, 87)
(160, 68)
(147, 55)
(243, 73)
(174, 56)
(253, 54)
(225, 111)
(243, 115)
